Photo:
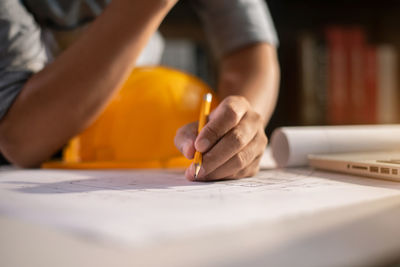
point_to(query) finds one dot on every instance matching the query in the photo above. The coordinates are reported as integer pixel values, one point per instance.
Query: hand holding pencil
(227, 146)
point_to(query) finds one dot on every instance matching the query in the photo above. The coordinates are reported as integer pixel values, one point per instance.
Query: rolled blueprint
(291, 145)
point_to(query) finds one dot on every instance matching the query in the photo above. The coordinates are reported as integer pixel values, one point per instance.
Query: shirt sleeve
(231, 24)
(22, 51)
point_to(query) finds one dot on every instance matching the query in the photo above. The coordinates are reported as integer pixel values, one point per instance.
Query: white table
(356, 227)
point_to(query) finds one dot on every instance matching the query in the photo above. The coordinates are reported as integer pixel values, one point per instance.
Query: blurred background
(339, 59)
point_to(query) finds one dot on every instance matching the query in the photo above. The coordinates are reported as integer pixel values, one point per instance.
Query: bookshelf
(296, 21)
(377, 22)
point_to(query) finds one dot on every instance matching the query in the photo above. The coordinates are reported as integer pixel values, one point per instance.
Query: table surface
(359, 234)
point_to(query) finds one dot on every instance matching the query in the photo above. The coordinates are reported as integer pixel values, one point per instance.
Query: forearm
(66, 96)
(252, 72)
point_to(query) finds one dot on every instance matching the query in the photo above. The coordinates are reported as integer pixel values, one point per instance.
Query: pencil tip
(196, 170)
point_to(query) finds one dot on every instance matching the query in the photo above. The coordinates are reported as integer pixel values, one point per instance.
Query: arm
(67, 95)
(233, 140)
(252, 72)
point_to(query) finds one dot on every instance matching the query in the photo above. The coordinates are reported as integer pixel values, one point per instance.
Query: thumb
(184, 139)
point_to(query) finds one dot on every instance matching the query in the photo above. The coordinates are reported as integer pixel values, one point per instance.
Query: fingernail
(203, 145)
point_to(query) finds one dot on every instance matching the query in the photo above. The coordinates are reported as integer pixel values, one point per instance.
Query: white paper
(147, 207)
(291, 145)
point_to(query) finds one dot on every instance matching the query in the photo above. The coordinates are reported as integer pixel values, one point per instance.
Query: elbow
(19, 152)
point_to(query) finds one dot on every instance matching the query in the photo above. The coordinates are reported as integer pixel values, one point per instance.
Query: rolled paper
(291, 145)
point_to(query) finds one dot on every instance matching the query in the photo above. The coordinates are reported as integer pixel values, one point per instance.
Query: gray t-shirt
(229, 24)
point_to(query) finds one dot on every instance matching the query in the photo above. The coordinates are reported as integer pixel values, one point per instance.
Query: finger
(226, 116)
(242, 163)
(235, 168)
(184, 139)
(234, 141)
(250, 170)
(189, 173)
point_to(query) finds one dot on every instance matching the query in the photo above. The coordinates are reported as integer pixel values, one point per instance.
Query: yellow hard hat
(137, 128)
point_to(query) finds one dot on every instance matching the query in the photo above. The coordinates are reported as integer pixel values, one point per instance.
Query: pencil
(204, 111)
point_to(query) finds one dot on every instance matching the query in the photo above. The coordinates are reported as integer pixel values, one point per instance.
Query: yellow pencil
(204, 111)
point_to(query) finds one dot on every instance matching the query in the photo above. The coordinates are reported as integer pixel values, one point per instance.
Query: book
(345, 79)
(337, 93)
(356, 107)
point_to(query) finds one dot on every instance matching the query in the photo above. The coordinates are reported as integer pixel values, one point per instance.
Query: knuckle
(237, 139)
(241, 159)
(230, 112)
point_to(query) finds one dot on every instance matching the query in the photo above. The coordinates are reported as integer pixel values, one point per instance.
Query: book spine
(371, 85)
(321, 82)
(356, 90)
(337, 99)
(387, 84)
(309, 109)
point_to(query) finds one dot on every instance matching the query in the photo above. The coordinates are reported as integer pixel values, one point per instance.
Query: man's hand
(232, 142)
